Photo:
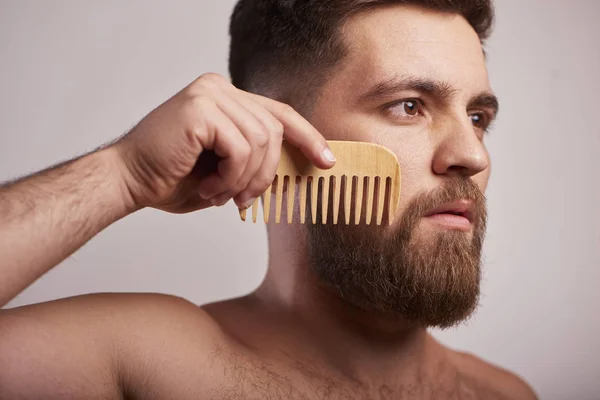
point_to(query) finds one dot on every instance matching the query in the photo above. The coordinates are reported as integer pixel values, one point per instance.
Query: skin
(290, 338)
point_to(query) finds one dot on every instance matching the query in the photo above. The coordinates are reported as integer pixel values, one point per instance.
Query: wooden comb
(365, 167)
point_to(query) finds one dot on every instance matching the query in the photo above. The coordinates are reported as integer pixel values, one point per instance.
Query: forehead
(406, 40)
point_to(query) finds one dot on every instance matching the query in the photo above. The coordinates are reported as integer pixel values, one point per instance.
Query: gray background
(75, 74)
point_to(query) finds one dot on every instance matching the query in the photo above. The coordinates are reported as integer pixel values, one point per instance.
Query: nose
(460, 152)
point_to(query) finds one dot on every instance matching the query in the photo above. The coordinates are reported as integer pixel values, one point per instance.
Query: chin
(427, 277)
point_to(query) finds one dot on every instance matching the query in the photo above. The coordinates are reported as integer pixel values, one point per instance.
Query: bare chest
(275, 390)
(258, 379)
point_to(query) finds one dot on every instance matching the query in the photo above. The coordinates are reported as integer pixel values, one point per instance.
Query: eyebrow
(486, 100)
(394, 85)
(438, 89)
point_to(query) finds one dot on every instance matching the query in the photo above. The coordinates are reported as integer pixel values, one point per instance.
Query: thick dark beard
(429, 281)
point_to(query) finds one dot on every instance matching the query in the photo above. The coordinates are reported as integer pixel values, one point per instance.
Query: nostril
(458, 170)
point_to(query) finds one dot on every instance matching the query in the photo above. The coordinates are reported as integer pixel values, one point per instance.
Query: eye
(480, 120)
(405, 108)
(410, 107)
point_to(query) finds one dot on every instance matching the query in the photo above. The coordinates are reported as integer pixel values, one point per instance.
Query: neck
(360, 344)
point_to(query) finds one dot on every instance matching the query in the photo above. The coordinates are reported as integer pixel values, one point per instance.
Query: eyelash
(420, 105)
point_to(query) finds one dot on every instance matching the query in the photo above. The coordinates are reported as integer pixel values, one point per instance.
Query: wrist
(119, 177)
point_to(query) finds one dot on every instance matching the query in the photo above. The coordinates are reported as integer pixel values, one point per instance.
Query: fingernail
(249, 202)
(328, 155)
(204, 195)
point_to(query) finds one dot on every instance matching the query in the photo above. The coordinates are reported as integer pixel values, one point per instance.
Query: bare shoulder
(505, 383)
(114, 321)
(106, 312)
(95, 345)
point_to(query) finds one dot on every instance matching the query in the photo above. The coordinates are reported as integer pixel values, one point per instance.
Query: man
(344, 310)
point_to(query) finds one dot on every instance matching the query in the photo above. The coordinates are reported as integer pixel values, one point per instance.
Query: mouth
(457, 215)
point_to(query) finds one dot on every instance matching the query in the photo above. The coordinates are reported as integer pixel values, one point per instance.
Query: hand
(210, 143)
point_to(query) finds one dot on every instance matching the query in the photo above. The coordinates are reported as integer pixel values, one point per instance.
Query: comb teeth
(366, 177)
(321, 202)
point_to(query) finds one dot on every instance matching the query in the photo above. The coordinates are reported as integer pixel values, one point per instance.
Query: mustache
(452, 189)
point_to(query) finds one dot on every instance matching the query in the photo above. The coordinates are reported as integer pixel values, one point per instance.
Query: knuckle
(277, 129)
(195, 89)
(211, 78)
(242, 151)
(206, 82)
(287, 109)
(261, 138)
(199, 102)
(195, 119)
(261, 184)
(195, 109)
(195, 132)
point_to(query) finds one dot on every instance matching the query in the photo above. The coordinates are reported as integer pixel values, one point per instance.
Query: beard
(428, 280)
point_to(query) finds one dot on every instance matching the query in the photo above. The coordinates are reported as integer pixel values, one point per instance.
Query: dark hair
(283, 42)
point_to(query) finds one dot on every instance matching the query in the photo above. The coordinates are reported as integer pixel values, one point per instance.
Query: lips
(458, 214)
(461, 208)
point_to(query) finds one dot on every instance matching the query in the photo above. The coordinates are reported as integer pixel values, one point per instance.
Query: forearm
(48, 216)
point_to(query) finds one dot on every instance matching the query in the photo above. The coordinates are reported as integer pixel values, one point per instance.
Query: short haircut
(281, 47)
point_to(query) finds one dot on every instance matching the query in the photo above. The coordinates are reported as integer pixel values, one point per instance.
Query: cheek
(415, 158)
(415, 166)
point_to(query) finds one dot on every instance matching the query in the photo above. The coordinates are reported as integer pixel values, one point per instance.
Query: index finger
(299, 132)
